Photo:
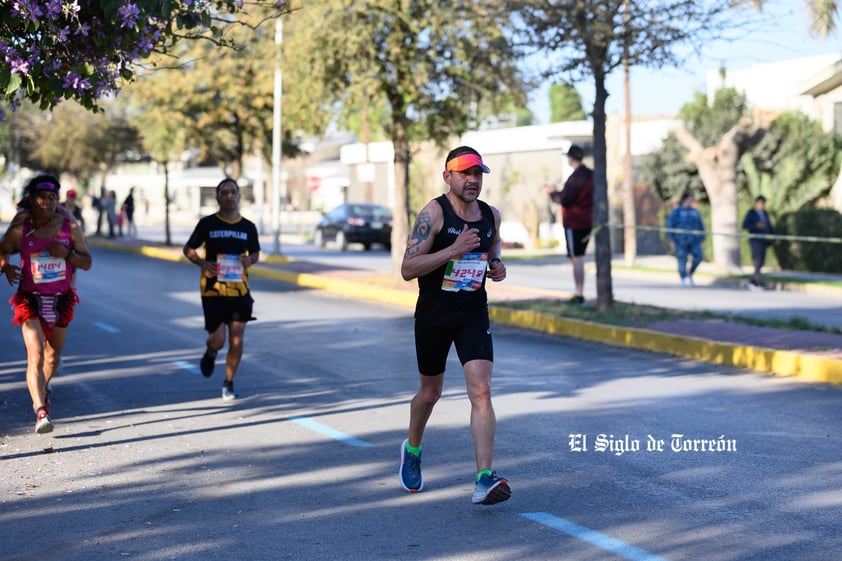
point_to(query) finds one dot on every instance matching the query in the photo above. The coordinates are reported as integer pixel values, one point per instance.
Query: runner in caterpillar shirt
(455, 244)
(231, 246)
(51, 245)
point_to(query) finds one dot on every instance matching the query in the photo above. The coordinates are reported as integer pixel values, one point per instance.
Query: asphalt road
(148, 463)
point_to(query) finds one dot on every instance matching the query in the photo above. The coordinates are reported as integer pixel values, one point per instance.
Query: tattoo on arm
(420, 233)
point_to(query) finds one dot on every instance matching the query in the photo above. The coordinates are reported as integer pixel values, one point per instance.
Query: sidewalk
(808, 355)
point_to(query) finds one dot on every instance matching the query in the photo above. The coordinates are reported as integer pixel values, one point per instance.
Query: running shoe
(228, 391)
(43, 424)
(47, 400)
(410, 472)
(576, 300)
(206, 365)
(491, 489)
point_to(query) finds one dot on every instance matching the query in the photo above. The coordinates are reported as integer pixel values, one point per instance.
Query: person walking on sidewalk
(576, 200)
(231, 246)
(454, 246)
(128, 208)
(686, 243)
(51, 245)
(757, 221)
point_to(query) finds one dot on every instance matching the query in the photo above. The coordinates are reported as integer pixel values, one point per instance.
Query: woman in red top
(50, 246)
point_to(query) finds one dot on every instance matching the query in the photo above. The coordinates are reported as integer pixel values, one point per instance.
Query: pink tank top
(42, 273)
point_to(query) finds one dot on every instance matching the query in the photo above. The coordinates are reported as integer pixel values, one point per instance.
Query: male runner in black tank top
(455, 244)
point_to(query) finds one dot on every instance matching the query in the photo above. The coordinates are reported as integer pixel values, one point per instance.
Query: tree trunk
(717, 167)
(167, 233)
(400, 211)
(604, 290)
(724, 210)
(724, 217)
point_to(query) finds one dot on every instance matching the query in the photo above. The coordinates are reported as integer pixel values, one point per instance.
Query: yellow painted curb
(813, 368)
(807, 367)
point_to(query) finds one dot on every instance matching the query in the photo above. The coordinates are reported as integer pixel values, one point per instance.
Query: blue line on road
(592, 537)
(327, 431)
(191, 368)
(106, 327)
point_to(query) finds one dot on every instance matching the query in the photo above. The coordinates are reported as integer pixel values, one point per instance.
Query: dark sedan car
(355, 223)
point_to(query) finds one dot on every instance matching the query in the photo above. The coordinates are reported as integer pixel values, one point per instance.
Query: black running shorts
(432, 343)
(225, 310)
(576, 240)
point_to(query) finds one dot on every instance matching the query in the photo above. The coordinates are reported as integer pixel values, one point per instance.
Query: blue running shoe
(491, 489)
(410, 473)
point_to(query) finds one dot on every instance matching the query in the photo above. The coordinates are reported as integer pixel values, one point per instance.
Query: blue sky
(781, 32)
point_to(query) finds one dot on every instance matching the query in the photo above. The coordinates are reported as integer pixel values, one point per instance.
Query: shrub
(824, 257)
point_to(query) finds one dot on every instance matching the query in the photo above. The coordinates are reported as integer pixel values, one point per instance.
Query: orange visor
(466, 162)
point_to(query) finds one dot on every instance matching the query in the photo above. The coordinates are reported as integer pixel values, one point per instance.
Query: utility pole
(276, 143)
(629, 214)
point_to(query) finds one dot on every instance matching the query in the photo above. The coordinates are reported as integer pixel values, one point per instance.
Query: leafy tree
(85, 49)
(591, 38)
(7, 144)
(424, 65)
(163, 132)
(669, 173)
(72, 140)
(716, 135)
(565, 104)
(667, 169)
(223, 96)
(794, 166)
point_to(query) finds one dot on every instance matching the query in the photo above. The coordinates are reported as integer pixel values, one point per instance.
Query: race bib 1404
(46, 268)
(465, 273)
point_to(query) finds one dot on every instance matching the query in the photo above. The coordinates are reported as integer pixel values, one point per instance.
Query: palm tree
(825, 14)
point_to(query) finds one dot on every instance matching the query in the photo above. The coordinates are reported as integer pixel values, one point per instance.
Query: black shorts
(432, 343)
(576, 240)
(225, 310)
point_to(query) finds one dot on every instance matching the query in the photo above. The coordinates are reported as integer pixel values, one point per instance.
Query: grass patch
(637, 315)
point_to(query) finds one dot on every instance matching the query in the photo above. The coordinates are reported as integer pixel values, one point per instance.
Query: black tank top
(463, 294)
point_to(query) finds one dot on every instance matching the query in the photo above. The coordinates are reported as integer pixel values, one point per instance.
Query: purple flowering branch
(53, 50)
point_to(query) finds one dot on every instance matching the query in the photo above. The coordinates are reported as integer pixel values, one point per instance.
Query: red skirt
(52, 310)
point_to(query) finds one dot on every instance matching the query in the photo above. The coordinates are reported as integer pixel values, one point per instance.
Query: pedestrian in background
(71, 203)
(757, 221)
(109, 207)
(99, 204)
(231, 246)
(688, 241)
(128, 209)
(576, 200)
(454, 246)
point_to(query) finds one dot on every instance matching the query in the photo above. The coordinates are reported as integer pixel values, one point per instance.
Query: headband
(45, 186)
